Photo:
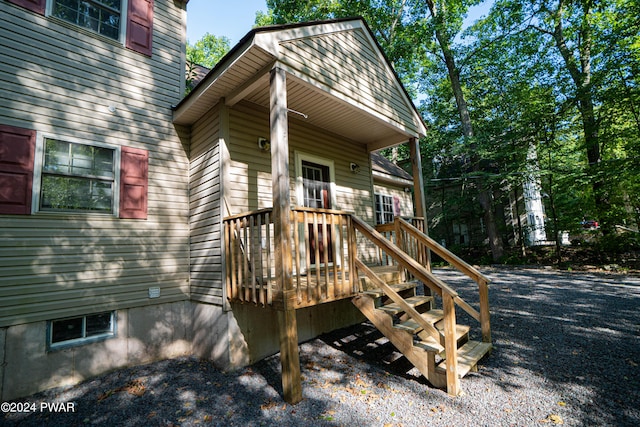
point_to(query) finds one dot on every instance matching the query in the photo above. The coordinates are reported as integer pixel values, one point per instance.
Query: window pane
(99, 324)
(77, 177)
(384, 209)
(78, 159)
(69, 193)
(64, 330)
(93, 161)
(101, 16)
(56, 156)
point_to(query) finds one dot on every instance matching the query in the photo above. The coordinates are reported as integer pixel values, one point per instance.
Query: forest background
(543, 91)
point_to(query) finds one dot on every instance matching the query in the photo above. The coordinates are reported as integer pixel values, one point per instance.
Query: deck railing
(418, 252)
(323, 251)
(410, 237)
(326, 264)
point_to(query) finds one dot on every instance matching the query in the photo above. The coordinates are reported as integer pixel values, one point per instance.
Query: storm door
(316, 188)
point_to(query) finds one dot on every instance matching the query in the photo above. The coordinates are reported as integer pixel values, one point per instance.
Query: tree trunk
(580, 72)
(484, 195)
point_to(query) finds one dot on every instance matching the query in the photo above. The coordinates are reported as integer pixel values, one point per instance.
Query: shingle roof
(383, 165)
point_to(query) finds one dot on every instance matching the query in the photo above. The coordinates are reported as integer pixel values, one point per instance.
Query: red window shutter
(134, 177)
(17, 149)
(36, 6)
(140, 26)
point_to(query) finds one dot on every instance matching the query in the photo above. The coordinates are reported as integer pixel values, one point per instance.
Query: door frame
(299, 158)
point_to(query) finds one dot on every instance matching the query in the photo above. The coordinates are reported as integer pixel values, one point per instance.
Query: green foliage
(618, 243)
(523, 92)
(208, 50)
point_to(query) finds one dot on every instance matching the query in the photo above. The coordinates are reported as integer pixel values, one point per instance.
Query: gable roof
(337, 76)
(385, 170)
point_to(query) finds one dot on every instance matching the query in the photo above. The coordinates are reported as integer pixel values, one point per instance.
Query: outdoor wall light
(264, 144)
(354, 167)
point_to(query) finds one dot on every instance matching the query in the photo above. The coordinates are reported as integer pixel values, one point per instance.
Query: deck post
(450, 344)
(287, 325)
(418, 190)
(485, 322)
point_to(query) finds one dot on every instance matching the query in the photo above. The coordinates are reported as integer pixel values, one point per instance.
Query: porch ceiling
(327, 112)
(243, 75)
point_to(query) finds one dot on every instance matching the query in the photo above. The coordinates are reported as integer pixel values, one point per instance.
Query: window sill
(79, 342)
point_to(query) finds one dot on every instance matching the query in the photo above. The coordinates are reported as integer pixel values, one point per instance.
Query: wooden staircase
(425, 335)
(424, 351)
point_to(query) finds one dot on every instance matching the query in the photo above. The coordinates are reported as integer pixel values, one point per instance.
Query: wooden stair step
(468, 357)
(461, 330)
(398, 287)
(394, 308)
(388, 273)
(431, 316)
(429, 344)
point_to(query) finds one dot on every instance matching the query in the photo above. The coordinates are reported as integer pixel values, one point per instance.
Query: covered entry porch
(281, 132)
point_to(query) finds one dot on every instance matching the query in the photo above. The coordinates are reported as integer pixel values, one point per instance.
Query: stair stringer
(422, 359)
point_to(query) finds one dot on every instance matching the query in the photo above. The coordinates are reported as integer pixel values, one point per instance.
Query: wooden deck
(310, 290)
(329, 249)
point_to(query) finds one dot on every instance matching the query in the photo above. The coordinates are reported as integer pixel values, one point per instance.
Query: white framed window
(102, 16)
(384, 209)
(77, 177)
(80, 330)
(302, 176)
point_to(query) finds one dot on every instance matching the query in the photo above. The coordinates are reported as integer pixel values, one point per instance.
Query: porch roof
(338, 79)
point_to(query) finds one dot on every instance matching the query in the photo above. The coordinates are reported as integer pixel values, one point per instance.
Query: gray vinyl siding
(406, 200)
(59, 80)
(205, 210)
(249, 185)
(348, 64)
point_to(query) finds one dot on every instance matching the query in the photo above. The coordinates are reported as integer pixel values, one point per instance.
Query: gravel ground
(566, 352)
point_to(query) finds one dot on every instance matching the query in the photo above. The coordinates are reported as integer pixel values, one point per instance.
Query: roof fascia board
(382, 177)
(210, 80)
(386, 143)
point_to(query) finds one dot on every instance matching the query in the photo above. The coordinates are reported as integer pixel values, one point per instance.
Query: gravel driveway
(567, 350)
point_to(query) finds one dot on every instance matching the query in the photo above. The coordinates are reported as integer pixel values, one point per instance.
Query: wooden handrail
(403, 259)
(422, 274)
(395, 297)
(250, 264)
(483, 282)
(442, 252)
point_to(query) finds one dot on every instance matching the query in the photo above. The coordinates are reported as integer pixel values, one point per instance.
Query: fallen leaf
(268, 404)
(360, 383)
(561, 403)
(553, 418)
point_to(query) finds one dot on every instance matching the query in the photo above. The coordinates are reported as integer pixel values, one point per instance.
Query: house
(229, 224)
(392, 187)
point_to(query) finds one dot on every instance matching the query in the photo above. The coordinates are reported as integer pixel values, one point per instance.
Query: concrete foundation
(143, 334)
(259, 326)
(231, 339)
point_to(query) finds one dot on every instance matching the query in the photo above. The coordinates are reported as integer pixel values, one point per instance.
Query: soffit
(244, 75)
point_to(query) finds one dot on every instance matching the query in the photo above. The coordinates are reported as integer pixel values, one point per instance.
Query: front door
(316, 187)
